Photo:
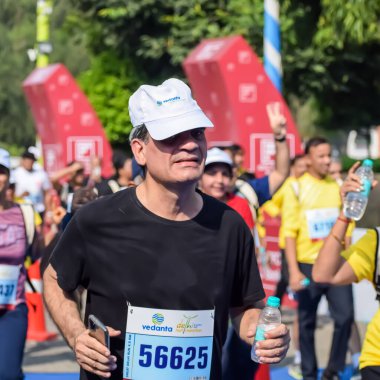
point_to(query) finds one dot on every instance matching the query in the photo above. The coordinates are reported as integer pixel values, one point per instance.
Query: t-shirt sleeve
(248, 288)
(290, 215)
(361, 256)
(68, 257)
(261, 187)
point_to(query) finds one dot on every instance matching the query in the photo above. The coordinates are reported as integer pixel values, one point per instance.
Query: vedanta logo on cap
(161, 102)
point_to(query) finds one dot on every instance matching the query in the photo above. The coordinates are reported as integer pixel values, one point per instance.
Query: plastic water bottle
(356, 202)
(270, 317)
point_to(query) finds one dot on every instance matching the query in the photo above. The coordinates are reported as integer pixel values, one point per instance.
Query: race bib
(320, 221)
(168, 344)
(9, 275)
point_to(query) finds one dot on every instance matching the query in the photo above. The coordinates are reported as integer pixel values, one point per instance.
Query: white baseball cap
(166, 110)
(216, 155)
(5, 158)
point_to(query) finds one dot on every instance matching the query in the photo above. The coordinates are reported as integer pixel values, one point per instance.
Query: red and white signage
(66, 123)
(231, 86)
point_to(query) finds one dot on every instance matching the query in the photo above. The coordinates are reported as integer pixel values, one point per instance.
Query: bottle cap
(273, 301)
(368, 162)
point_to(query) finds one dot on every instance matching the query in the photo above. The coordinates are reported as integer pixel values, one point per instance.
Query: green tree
(330, 47)
(16, 27)
(17, 35)
(108, 86)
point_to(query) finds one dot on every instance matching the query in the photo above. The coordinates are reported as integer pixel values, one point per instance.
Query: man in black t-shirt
(163, 264)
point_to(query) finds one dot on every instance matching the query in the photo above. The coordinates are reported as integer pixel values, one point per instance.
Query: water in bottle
(356, 202)
(270, 317)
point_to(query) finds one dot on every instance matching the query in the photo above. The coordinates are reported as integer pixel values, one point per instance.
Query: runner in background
(354, 345)
(338, 265)
(237, 153)
(257, 191)
(68, 180)
(32, 182)
(308, 214)
(216, 181)
(17, 241)
(274, 209)
(123, 177)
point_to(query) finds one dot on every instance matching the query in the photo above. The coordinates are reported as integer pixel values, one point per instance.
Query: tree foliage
(17, 35)
(330, 52)
(16, 28)
(108, 84)
(330, 48)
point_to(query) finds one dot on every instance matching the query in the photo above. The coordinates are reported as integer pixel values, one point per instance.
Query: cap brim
(168, 127)
(218, 161)
(4, 165)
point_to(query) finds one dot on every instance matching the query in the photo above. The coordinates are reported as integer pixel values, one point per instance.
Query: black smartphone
(98, 330)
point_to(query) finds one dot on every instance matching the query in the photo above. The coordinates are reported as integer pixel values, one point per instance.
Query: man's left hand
(275, 346)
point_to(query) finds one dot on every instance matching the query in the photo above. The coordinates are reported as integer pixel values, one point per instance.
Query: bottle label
(259, 334)
(367, 187)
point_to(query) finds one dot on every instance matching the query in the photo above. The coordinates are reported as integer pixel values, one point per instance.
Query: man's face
(178, 159)
(319, 160)
(126, 171)
(239, 158)
(27, 163)
(299, 167)
(216, 180)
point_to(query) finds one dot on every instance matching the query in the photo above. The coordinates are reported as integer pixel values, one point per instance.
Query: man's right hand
(295, 281)
(93, 356)
(277, 120)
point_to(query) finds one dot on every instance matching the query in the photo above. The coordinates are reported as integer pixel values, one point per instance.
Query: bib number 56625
(176, 358)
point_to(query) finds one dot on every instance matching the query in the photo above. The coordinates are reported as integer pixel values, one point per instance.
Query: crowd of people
(171, 237)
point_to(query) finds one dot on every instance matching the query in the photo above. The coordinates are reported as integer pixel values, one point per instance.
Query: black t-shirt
(121, 252)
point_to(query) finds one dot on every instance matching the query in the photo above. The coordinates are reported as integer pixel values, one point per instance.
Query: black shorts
(370, 373)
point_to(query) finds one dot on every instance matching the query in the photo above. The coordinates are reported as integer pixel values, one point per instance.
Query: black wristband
(280, 139)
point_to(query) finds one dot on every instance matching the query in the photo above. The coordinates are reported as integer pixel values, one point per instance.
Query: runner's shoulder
(103, 206)
(221, 211)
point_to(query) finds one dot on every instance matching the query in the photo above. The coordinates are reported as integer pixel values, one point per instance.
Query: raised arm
(277, 122)
(330, 267)
(64, 172)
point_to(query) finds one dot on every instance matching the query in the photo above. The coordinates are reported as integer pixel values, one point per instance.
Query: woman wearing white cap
(217, 181)
(13, 309)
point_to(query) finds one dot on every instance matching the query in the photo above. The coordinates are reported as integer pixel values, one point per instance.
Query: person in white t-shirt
(31, 183)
